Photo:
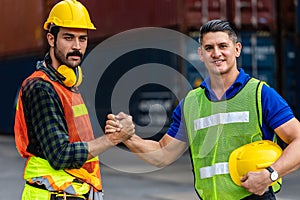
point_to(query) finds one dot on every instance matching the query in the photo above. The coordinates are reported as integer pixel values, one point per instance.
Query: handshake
(119, 128)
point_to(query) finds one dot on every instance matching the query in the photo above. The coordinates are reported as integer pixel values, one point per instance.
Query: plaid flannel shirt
(47, 127)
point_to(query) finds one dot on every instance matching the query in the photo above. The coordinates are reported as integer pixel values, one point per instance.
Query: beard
(63, 59)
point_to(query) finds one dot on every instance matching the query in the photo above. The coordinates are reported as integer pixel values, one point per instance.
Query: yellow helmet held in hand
(252, 157)
(70, 14)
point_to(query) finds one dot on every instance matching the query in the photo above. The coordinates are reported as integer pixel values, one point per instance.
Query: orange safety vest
(79, 129)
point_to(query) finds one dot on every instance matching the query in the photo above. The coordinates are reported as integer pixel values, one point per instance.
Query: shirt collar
(41, 66)
(241, 80)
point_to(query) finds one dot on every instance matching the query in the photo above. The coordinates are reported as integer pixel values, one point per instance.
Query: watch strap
(273, 174)
(270, 169)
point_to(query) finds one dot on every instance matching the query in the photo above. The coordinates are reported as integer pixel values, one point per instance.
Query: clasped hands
(119, 128)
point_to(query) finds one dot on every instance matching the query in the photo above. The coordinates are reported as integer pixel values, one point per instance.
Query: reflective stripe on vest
(79, 129)
(80, 110)
(39, 171)
(221, 118)
(216, 169)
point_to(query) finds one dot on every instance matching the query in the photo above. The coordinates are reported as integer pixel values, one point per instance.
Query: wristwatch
(273, 174)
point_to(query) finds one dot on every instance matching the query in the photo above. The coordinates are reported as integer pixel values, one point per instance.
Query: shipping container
(21, 30)
(258, 55)
(24, 20)
(13, 73)
(246, 14)
(111, 17)
(298, 16)
(288, 15)
(297, 87)
(197, 12)
(254, 14)
(23, 42)
(291, 80)
(25, 34)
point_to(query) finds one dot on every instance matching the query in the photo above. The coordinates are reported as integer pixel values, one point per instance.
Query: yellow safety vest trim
(38, 169)
(79, 110)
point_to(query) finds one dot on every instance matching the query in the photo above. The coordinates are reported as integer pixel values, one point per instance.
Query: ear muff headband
(73, 77)
(78, 71)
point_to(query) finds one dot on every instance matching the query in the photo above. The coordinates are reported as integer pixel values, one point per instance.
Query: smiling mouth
(218, 61)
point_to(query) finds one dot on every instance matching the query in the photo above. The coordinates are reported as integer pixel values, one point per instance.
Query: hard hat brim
(233, 171)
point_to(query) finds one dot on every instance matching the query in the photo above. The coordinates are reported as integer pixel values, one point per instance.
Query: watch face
(274, 176)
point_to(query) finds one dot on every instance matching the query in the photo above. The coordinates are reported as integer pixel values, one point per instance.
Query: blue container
(258, 55)
(292, 83)
(13, 71)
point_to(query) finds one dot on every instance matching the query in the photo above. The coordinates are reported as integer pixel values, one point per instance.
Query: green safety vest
(214, 130)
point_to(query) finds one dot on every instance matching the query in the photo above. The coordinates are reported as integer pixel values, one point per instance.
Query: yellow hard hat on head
(69, 14)
(252, 157)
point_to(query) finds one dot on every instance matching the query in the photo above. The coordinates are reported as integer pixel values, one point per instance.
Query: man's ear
(50, 39)
(238, 49)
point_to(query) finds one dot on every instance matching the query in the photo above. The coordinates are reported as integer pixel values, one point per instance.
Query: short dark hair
(54, 31)
(216, 26)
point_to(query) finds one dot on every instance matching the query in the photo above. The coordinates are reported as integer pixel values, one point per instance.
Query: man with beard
(52, 126)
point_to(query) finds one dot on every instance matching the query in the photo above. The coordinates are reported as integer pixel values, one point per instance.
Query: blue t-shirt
(275, 109)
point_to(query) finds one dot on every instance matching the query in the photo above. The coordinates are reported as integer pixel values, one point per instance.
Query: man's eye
(83, 39)
(68, 38)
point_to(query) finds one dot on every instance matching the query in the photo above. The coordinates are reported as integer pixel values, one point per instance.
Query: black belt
(58, 195)
(61, 196)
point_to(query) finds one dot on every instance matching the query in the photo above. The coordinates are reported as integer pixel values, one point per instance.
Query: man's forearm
(159, 154)
(98, 146)
(148, 150)
(289, 161)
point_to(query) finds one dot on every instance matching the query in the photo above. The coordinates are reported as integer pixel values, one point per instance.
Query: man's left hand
(257, 182)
